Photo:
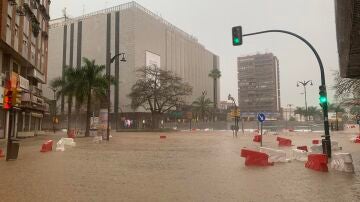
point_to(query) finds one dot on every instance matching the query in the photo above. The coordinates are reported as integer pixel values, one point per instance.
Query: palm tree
(93, 82)
(67, 86)
(215, 74)
(314, 112)
(202, 106)
(301, 111)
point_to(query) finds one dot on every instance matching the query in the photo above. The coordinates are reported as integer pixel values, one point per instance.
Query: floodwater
(196, 166)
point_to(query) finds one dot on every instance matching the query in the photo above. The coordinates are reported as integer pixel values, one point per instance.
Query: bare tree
(158, 91)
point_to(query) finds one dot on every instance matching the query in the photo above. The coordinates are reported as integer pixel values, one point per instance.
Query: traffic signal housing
(323, 97)
(8, 99)
(237, 36)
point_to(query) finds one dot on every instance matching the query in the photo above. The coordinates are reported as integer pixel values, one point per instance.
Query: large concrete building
(348, 34)
(259, 85)
(144, 37)
(23, 60)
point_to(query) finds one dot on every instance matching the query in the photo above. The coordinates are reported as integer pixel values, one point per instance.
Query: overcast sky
(211, 21)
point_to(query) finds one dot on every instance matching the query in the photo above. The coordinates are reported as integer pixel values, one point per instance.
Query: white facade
(144, 37)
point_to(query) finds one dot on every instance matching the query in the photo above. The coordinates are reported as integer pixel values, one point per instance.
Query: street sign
(189, 115)
(261, 117)
(235, 112)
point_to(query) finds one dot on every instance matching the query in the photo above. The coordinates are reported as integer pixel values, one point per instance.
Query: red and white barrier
(162, 136)
(257, 138)
(275, 155)
(317, 162)
(299, 155)
(304, 148)
(316, 142)
(255, 158)
(284, 142)
(60, 145)
(342, 162)
(47, 146)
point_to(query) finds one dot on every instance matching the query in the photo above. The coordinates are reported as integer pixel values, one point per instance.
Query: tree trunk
(215, 99)
(69, 113)
(88, 115)
(155, 116)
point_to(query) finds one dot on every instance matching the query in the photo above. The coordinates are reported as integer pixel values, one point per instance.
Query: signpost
(261, 118)
(235, 113)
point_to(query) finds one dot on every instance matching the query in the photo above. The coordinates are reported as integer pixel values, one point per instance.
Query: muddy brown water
(196, 166)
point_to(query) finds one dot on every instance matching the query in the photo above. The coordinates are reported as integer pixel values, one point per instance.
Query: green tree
(314, 112)
(158, 91)
(67, 86)
(301, 111)
(215, 74)
(202, 106)
(93, 83)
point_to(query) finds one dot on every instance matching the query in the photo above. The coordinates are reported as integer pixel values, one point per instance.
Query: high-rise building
(143, 36)
(259, 85)
(348, 37)
(23, 60)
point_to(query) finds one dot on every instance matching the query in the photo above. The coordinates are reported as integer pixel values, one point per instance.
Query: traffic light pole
(327, 141)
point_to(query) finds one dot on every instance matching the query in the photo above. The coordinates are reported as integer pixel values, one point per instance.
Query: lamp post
(112, 60)
(304, 84)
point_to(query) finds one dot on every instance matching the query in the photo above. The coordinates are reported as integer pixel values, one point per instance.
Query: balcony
(37, 75)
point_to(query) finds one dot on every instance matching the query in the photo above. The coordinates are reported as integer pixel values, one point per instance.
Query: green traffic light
(323, 99)
(236, 40)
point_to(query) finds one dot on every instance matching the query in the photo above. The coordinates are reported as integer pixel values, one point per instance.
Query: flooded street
(196, 166)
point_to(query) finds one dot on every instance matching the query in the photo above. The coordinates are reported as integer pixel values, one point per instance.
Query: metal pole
(109, 100)
(323, 81)
(261, 129)
(306, 106)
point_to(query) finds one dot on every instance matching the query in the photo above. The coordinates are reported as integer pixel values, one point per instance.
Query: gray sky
(211, 21)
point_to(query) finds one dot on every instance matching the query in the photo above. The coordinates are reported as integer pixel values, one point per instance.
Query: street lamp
(112, 60)
(55, 110)
(304, 84)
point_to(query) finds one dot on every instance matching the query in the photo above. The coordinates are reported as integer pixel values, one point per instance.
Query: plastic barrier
(254, 158)
(1, 153)
(72, 134)
(335, 146)
(47, 146)
(316, 142)
(342, 162)
(60, 145)
(275, 155)
(257, 138)
(316, 149)
(317, 162)
(304, 148)
(299, 155)
(162, 136)
(283, 142)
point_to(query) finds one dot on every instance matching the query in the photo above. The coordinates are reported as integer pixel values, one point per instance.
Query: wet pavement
(186, 166)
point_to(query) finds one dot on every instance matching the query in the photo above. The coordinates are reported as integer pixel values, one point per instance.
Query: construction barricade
(342, 162)
(255, 158)
(60, 145)
(162, 136)
(317, 162)
(47, 146)
(275, 155)
(304, 148)
(299, 155)
(257, 138)
(283, 142)
(316, 141)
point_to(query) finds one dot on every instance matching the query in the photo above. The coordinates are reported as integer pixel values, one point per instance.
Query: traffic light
(323, 97)
(16, 97)
(237, 35)
(7, 105)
